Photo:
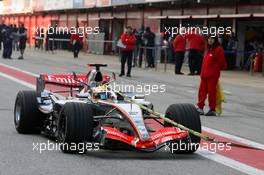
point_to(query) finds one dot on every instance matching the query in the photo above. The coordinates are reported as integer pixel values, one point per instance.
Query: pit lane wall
(24, 6)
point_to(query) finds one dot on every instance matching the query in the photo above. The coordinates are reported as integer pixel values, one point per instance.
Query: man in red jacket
(213, 63)
(196, 46)
(76, 42)
(129, 41)
(179, 46)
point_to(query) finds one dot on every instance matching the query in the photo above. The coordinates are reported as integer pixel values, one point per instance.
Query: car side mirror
(76, 79)
(74, 76)
(113, 76)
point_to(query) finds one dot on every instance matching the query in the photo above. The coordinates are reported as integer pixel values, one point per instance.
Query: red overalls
(213, 63)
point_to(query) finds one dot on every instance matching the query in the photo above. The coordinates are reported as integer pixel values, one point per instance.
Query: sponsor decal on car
(64, 79)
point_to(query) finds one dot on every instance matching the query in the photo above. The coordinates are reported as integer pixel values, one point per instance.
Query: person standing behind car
(2, 26)
(128, 39)
(201, 46)
(213, 62)
(22, 32)
(76, 42)
(231, 50)
(196, 44)
(149, 38)
(16, 38)
(137, 48)
(41, 39)
(179, 46)
(141, 44)
(7, 41)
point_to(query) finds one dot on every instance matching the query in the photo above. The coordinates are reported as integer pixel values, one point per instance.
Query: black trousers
(141, 52)
(200, 62)
(76, 49)
(7, 52)
(126, 56)
(1, 44)
(195, 61)
(49, 45)
(150, 58)
(230, 60)
(179, 57)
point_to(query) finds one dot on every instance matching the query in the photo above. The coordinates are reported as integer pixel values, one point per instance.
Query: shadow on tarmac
(135, 155)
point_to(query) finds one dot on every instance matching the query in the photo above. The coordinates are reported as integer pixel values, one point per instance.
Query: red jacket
(213, 62)
(76, 37)
(196, 41)
(129, 41)
(179, 43)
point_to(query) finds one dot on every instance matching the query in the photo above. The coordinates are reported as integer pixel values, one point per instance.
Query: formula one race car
(93, 113)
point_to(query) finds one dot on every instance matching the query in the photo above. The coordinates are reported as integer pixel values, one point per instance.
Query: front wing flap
(157, 139)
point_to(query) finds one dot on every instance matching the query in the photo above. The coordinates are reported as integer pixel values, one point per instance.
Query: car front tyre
(186, 115)
(27, 118)
(75, 127)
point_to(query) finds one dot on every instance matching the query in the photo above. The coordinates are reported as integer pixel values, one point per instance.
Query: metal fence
(98, 46)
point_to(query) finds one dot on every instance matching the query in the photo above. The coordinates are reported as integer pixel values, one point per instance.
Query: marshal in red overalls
(213, 63)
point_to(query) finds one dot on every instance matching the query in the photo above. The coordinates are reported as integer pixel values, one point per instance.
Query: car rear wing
(64, 80)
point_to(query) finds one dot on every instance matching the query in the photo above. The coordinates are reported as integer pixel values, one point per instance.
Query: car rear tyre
(186, 115)
(27, 118)
(75, 127)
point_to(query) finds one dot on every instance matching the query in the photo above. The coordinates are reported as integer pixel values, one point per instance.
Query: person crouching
(213, 63)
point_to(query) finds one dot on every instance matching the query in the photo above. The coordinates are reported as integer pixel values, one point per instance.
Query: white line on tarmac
(205, 153)
(17, 81)
(20, 70)
(235, 138)
(230, 162)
